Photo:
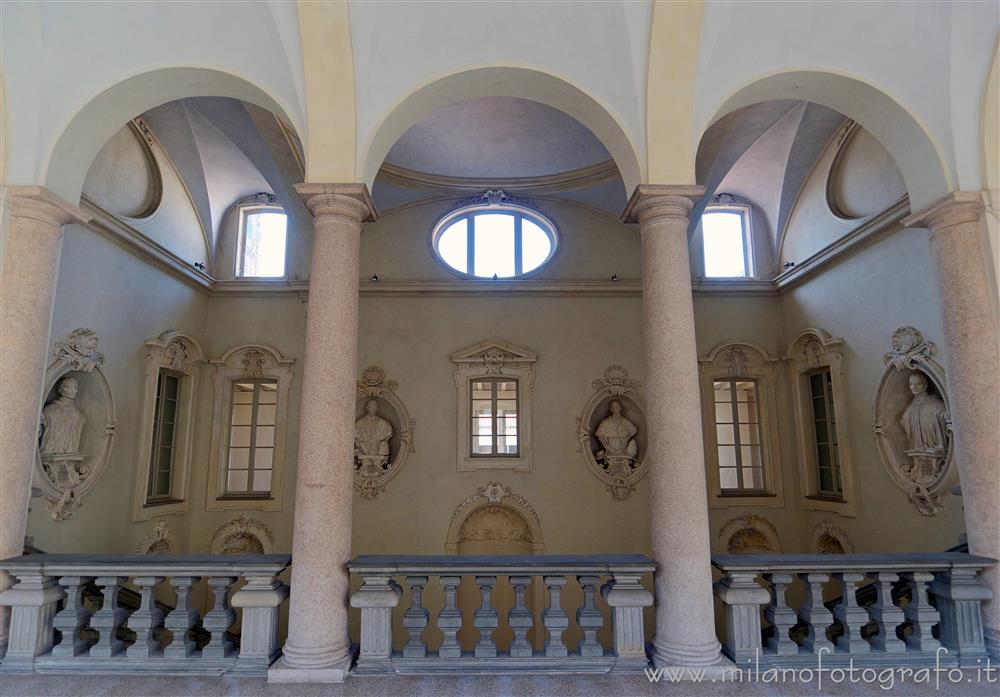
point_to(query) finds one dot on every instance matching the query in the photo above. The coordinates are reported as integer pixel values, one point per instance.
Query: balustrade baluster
(449, 620)
(109, 618)
(415, 619)
(520, 619)
(485, 619)
(886, 615)
(920, 613)
(146, 620)
(589, 617)
(814, 615)
(555, 619)
(182, 619)
(219, 618)
(851, 615)
(74, 619)
(780, 615)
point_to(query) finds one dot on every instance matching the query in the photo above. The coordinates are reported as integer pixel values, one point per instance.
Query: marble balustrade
(869, 609)
(616, 577)
(56, 626)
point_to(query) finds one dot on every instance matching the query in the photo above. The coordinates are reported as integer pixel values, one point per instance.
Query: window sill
(746, 494)
(828, 499)
(244, 497)
(161, 502)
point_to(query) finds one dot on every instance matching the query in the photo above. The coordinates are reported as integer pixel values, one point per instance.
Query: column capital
(650, 201)
(346, 200)
(957, 208)
(38, 203)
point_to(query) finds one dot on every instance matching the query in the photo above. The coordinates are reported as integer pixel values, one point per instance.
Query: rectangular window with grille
(825, 433)
(250, 454)
(165, 421)
(494, 417)
(738, 435)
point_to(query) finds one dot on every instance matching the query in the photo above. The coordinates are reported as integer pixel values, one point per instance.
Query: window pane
(162, 483)
(242, 392)
(170, 384)
(727, 478)
(753, 478)
(723, 237)
(239, 437)
(724, 434)
(507, 445)
(268, 393)
(746, 392)
(262, 481)
(239, 458)
(265, 436)
(262, 458)
(242, 414)
(453, 245)
(727, 456)
(535, 246)
(264, 244)
(482, 445)
(723, 392)
(749, 434)
(265, 414)
(494, 244)
(723, 412)
(169, 410)
(750, 455)
(237, 480)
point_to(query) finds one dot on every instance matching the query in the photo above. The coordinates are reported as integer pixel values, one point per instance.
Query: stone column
(27, 289)
(317, 648)
(685, 619)
(972, 360)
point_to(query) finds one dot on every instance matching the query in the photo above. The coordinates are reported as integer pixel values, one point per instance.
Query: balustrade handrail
(930, 561)
(539, 564)
(127, 565)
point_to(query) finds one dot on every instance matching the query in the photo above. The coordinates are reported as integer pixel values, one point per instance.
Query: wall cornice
(563, 181)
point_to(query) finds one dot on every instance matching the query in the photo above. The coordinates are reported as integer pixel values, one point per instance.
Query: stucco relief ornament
(912, 424)
(383, 433)
(738, 363)
(157, 541)
(72, 448)
(253, 363)
(611, 432)
(242, 535)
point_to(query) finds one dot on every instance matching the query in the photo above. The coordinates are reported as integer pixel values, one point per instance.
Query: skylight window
(262, 243)
(494, 241)
(726, 236)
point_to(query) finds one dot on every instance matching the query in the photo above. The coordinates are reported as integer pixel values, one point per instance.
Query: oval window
(498, 241)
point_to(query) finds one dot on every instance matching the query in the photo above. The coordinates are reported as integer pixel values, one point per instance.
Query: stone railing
(57, 627)
(616, 578)
(871, 609)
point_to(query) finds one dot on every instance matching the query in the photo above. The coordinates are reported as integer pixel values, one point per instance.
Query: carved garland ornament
(242, 535)
(611, 432)
(912, 419)
(78, 424)
(381, 444)
(495, 514)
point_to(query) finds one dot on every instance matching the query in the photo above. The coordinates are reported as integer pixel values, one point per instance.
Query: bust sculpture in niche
(371, 441)
(61, 430)
(617, 437)
(925, 422)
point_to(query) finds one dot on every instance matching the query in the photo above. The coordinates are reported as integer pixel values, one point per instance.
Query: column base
(281, 672)
(668, 655)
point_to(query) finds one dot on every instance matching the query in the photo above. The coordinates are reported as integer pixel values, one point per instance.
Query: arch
(491, 504)
(66, 165)
(503, 81)
(748, 533)
(918, 156)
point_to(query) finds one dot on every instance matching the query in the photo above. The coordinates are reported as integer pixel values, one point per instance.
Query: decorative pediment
(495, 355)
(739, 358)
(810, 345)
(253, 360)
(175, 350)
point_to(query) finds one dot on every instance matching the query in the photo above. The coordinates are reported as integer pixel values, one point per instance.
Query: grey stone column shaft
(27, 291)
(318, 648)
(972, 361)
(685, 624)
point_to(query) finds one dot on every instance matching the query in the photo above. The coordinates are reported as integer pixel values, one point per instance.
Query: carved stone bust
(371, 441)
(925, 422)
(617, 437)
(62, 423)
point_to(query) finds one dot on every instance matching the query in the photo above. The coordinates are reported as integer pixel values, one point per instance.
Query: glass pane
(823, 457)
(262, 481)
(746, 392)
(535, 245)
(749, 434)
(506, 407)
(482, 407)
(266, 414)
(727, 456)
(750, 456)
(507, 445)
(166, 434)
(723, 236)
(239, 437)
(262, 458)
(265, 436)
(821, 432)
(747, 412)
(168, 411)
(723, 412)
(162, 483)
(239, 458)
(237, 480)
(482, 445)
(242, 393)
(242, 414)
(508, 425)
(482, 426)
(727, 478)
(816, 385)
(506, 390)
(825, 479)
(494, 245)
(453, 245)
(753, 478)
(268, 393)
(724, 434)
(723, 391)
(170, 385)
(264, 244)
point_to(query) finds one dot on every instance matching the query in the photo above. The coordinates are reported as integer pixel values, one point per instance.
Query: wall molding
(563, 181)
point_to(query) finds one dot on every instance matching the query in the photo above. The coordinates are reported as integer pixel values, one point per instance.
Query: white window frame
(732, 205)
(499, 204)
(245, 211)
(811, 351)
(742, 359)
(493, 359)
(247, 362)
(178, 353)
